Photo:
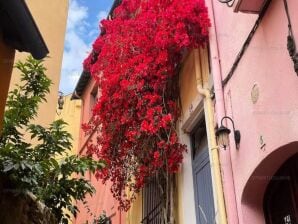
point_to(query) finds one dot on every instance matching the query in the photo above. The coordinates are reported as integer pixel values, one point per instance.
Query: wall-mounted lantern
(222, 134)
(60, 102)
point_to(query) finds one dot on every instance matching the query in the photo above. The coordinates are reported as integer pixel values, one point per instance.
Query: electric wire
(246, 43)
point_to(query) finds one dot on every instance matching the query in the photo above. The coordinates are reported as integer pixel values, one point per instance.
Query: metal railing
(152, 204)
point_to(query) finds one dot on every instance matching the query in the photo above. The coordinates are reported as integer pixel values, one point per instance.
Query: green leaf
(8, 167)
(55, 163)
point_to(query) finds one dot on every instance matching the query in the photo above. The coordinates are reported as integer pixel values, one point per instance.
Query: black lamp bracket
(237, 135)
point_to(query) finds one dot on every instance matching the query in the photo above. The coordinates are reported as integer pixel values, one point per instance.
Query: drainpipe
(225, 156)
(202, 87)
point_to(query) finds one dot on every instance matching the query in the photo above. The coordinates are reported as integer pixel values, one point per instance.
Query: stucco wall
(103, 199)
(50, 17)
(272, 120)
(134, 215)
(71, 114)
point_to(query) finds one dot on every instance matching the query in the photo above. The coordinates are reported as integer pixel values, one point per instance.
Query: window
(152, 203)
(199, 139)
(93, 98)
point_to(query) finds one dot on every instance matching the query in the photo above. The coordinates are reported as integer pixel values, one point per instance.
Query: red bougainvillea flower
(136, 63)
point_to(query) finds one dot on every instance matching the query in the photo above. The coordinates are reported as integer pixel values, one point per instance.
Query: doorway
(281, 196)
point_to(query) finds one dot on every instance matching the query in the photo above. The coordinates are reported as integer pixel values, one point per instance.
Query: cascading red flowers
(136, 62)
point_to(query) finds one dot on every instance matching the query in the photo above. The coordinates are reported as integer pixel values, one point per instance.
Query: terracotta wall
(103, 199)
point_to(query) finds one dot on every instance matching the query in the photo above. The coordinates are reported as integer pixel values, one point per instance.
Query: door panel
(202, 177)
(204, 198)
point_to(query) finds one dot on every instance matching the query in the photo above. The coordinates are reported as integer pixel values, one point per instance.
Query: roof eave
(19, 29)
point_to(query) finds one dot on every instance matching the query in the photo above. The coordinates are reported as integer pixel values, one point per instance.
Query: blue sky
(82, 29)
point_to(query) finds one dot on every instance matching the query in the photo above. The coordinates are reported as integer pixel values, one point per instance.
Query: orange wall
(6, 65)
(103, 199)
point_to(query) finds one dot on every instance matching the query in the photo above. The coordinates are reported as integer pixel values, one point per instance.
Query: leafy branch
(33, 165)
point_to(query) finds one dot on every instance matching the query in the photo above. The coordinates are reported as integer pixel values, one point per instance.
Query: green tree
(31, 166)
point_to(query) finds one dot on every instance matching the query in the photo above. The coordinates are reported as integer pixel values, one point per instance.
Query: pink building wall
(103, 199)
(273, 119)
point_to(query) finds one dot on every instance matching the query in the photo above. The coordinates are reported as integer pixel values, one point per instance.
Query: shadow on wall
(254, 190)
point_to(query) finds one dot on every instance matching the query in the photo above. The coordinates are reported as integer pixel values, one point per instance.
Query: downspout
(225, 156)
(202, 87)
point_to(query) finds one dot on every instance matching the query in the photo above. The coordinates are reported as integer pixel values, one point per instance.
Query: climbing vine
(135, 61)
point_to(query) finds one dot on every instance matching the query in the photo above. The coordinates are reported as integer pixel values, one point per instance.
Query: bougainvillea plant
(135, 61)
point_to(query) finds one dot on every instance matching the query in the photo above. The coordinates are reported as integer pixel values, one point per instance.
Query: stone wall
(23, 208)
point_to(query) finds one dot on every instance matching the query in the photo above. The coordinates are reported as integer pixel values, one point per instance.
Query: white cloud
(102, 15)
(76, 48)
(79, 34)
(76, 15)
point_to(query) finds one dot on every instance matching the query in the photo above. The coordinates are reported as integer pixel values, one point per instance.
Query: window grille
(152, 204)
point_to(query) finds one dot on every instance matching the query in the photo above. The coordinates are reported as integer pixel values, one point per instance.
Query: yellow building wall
(191, 105)
(71, 114)
(134, 215)
(189, 94)
(188, 87)
(50, 17)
